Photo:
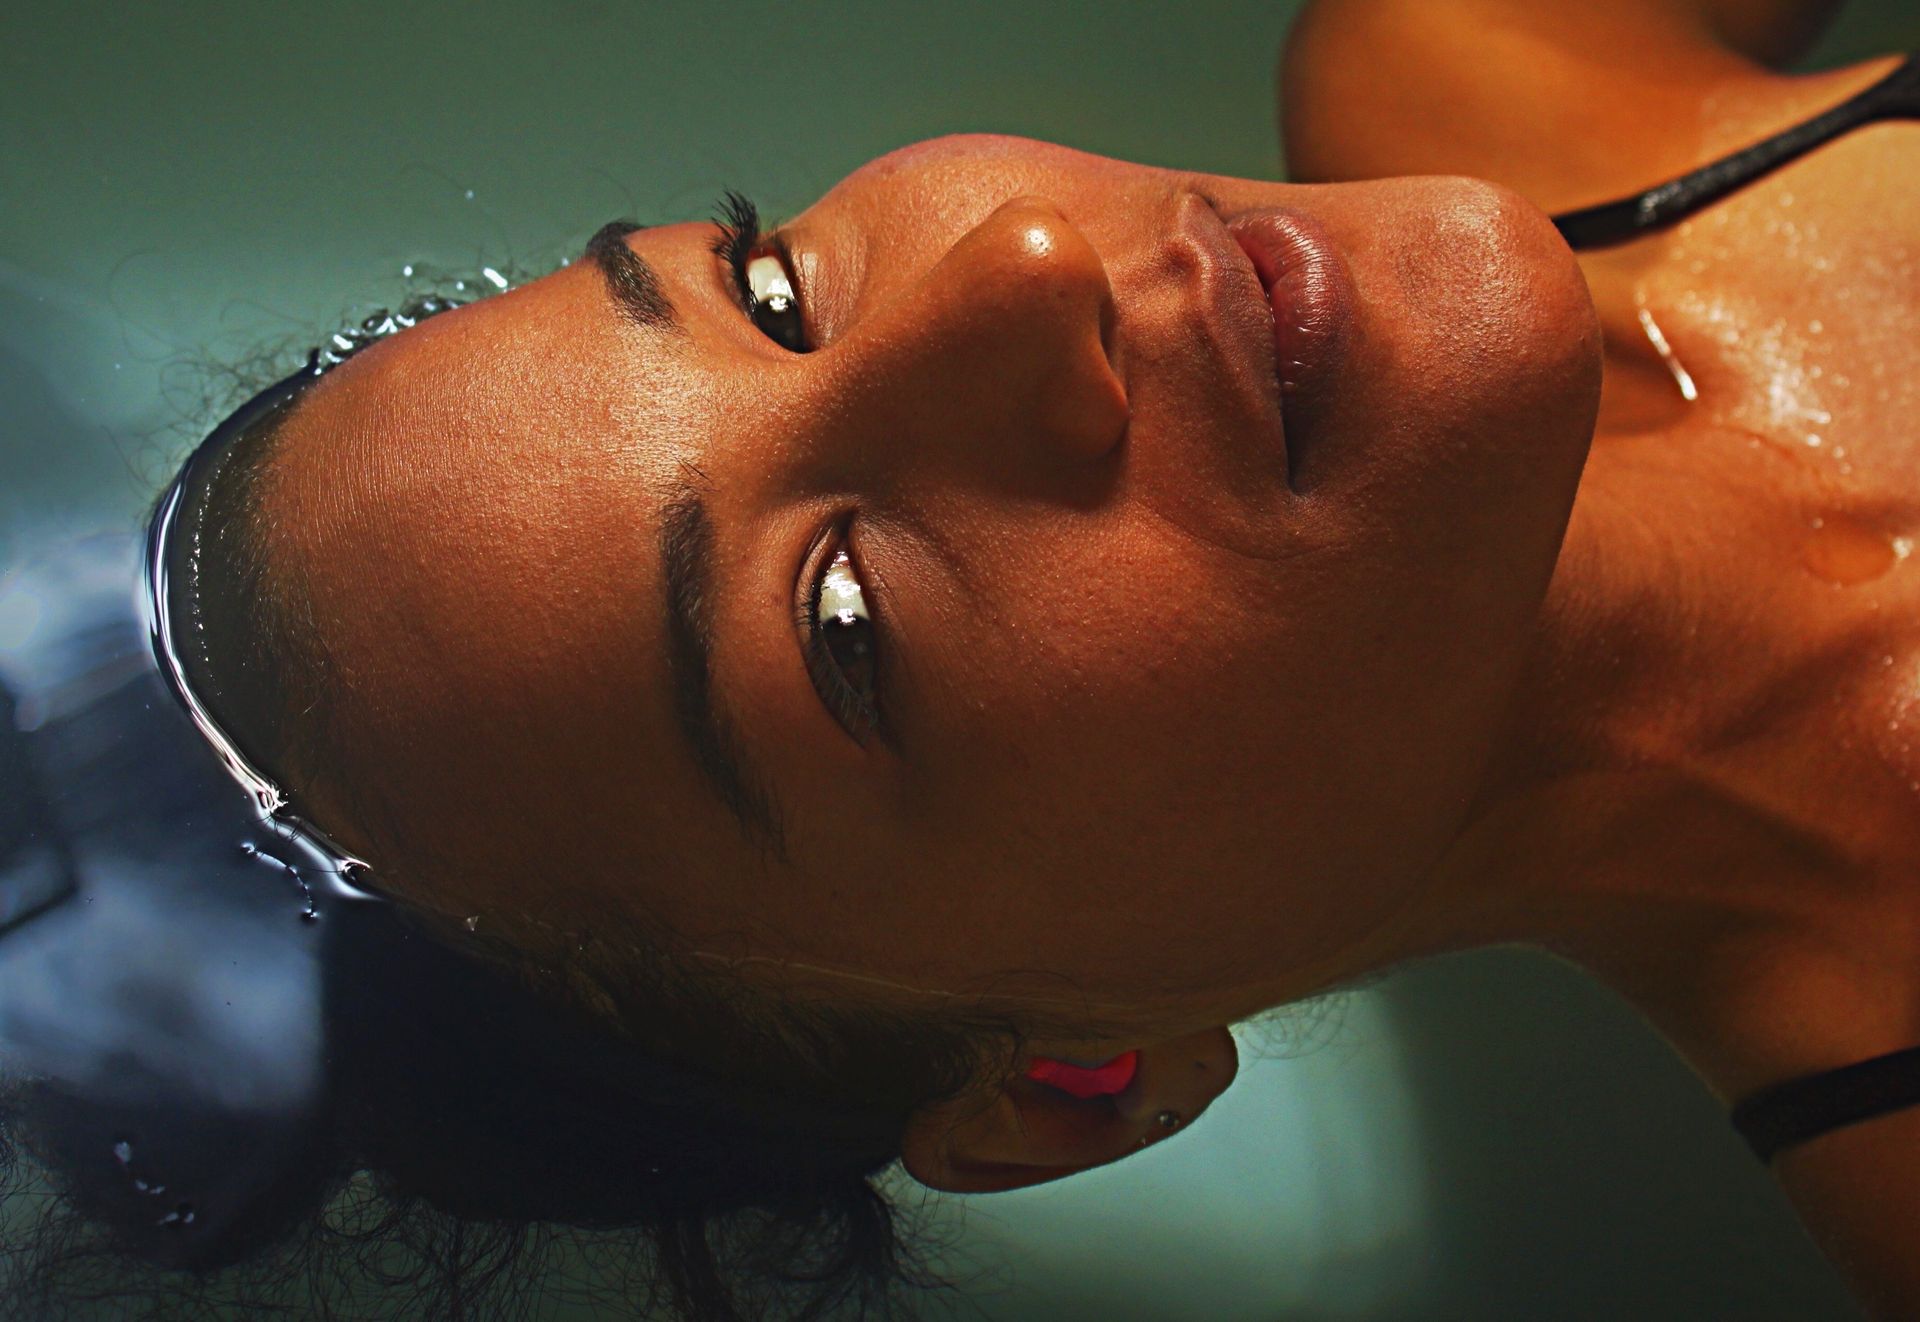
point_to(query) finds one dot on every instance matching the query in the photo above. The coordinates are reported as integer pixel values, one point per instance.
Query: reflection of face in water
(964, 609)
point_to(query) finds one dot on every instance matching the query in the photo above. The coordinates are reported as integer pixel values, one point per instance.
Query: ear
(1027, 1132)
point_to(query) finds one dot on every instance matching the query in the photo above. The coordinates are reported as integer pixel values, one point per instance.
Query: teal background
(191, 196)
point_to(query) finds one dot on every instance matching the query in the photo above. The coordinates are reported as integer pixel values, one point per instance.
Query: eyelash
(741, 240)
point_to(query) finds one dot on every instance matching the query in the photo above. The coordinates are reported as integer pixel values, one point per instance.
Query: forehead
(553, 349)
(473, 508)
(468, 447)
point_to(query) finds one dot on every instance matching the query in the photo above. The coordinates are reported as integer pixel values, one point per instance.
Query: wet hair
(497, 1101)
(471, 1149)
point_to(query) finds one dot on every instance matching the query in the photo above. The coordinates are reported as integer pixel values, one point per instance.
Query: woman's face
(1171, 682)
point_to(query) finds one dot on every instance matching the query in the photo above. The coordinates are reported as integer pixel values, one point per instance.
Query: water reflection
(159, 1011)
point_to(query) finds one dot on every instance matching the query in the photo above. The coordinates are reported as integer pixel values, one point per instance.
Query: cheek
(1075, 623)
(1085, 674)
(1121, 702)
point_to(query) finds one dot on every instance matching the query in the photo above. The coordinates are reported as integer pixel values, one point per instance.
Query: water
(1682, 379)
(189, 206)
(1846, 552)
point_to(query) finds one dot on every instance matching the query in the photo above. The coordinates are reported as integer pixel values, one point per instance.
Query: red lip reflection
(1310, 294)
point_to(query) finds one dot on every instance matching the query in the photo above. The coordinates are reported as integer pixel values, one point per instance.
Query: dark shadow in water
(36, 866)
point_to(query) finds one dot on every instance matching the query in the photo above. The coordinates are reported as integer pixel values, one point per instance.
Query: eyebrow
(686, 547)
(631, 280)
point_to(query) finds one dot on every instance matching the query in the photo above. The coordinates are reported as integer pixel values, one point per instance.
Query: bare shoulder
(1566, 104)
(1858, 1191)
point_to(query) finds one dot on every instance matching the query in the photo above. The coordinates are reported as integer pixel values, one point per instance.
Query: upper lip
(1228, 276)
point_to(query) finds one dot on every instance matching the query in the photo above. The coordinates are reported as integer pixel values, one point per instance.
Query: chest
(1763, 382)
(1789, 312)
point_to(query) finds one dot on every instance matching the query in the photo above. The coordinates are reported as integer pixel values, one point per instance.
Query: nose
(993, 363)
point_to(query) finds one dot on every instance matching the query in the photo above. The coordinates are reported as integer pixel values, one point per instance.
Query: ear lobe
(1028, 1133)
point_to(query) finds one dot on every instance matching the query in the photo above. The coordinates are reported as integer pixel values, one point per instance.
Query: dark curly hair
(472, 1148)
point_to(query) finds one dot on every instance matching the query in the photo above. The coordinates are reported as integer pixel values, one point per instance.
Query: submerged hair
(475, 1154)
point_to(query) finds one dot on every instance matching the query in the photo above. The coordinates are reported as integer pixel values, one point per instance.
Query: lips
(1310, 295)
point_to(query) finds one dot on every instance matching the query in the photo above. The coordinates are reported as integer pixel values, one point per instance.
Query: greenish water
(191, 196)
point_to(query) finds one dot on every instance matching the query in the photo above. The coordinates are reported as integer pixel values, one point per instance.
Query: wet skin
(1176, 710)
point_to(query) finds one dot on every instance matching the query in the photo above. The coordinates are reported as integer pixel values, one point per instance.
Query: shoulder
(1566, 104)
(1857, 1190)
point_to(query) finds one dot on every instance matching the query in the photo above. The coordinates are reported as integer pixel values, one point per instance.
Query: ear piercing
(1167, 1120)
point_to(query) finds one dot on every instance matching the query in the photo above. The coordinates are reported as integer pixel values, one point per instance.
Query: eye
(761, 270)
(774, 308)
(841, 647)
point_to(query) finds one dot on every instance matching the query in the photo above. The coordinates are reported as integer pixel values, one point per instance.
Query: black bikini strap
(1894, 97)
(1799, 1109)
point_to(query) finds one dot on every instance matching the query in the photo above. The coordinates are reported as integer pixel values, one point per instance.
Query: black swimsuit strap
(1804, 1108)
(1897, 96)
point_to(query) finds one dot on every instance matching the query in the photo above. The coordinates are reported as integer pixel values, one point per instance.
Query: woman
(1092, 604)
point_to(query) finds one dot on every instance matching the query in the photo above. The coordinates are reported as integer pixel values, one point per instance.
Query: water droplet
(1843, 551)
(469, 195)
(1886, 660)
(123, 1152)
(1816, 325)
(1681, 377)
(473, 922)
(407, 270)
(494, 278)
(1813, 439)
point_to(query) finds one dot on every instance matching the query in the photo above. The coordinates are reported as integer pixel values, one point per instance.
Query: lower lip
(1311, 295)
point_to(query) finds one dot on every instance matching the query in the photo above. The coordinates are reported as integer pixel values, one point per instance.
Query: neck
(1691, 798)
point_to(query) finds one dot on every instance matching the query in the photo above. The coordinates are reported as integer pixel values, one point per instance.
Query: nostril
(1110, 327)
(1082, 406)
